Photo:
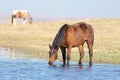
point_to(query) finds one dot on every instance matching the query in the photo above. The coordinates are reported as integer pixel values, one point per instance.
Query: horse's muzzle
(50, 63)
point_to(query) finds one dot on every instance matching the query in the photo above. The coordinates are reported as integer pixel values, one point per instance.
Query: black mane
(59, 37)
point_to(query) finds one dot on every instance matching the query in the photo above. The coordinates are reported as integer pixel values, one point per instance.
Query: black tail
(59, 37)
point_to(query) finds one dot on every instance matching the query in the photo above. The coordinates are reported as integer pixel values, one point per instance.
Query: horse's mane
(59, 37)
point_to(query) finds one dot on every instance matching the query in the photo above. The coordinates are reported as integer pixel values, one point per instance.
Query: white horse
(22, 14)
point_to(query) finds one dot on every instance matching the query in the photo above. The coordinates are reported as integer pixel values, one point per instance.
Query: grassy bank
(36, 37)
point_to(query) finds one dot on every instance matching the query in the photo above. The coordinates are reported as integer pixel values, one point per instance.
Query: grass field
(36, 37)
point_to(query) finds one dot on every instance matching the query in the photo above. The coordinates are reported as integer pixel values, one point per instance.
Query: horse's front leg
(14, 21)
(63, 50)
(24, 21)
(68, 54)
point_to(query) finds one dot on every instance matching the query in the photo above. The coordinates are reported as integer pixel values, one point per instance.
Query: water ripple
(40, 70)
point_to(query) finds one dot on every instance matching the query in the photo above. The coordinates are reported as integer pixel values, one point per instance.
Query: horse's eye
(52, 51)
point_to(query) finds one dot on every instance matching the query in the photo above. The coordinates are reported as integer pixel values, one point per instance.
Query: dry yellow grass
(36, 37)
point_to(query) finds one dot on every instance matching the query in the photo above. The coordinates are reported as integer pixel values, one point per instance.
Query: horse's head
(52, 55)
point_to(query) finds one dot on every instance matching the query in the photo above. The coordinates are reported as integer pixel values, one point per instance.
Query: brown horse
(22, 14)
(72, 36)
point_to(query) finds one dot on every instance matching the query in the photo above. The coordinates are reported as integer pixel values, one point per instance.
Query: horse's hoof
(80, 63)
(90, 64)
(63, 65)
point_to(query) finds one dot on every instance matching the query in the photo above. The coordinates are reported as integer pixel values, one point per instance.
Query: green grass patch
(35, 39)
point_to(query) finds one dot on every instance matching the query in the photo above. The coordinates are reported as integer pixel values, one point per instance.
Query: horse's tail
(60, 36)
(92, 33)
(93, 36)
(12, 18)
(30, 18)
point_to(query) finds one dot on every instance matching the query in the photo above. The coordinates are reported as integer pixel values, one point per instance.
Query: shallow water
(35, 69)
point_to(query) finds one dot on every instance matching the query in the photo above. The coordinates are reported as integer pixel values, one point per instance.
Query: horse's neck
(60, 37)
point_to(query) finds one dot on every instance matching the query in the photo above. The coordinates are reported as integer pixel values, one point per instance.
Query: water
(35, 69)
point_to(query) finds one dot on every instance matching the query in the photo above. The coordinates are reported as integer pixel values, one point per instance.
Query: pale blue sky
(64, 8)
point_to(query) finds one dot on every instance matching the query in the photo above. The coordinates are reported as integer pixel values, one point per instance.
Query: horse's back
(83, 26)
(19, 11)
(78, 33)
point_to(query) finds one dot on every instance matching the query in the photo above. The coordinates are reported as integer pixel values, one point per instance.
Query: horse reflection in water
(72, 36)
(22, 14)
(12, 53)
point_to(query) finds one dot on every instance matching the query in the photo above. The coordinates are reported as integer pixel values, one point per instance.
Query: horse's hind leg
(90, 47)
(81, 51)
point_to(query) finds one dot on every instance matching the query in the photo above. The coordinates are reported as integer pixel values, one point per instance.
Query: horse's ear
(50, 46)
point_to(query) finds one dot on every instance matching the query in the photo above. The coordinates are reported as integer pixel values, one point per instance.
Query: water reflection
(12, 53)
(32, 69)
(4, 53)
(87, 67)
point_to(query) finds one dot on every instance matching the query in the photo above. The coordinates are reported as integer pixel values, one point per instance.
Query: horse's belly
(74, 43)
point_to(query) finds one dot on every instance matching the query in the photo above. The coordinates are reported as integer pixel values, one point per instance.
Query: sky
(64, 8)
